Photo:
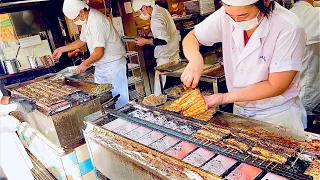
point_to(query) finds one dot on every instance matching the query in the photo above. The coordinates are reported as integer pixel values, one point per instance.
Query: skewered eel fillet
(267, 155)
(206, 135)
(314, 169)
(237, 145)
(190, 104)
(271, 145)
(217, 129)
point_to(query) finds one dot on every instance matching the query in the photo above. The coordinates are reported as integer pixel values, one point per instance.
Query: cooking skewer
(246, 157)
(254, 160)
(235, 153)
(298, 157)
(274, 166)
(269, 164)
(261, 163)
(191, 138)
(225, 150)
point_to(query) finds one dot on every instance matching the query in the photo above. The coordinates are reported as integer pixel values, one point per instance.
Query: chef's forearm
(277, 84)
(5, 100)
(95, 56)
(191, 48)
(75, 45)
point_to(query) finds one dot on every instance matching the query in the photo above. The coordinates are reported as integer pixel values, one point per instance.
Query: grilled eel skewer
(266, 155)
(206, 135)
(235, 144)
(283, 149)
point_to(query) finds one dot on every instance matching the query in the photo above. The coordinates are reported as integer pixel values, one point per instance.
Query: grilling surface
(231, 155)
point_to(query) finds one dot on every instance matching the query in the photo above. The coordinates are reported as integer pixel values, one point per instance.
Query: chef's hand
(25, 106)
(82, 68)
(214, 100)
(191, 75)
(141, 41)
(57, 53)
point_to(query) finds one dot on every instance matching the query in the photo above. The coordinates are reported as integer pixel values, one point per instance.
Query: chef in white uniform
(310, 74)
(106, 48)
(164, 32)
(14, 160)
(263, 45)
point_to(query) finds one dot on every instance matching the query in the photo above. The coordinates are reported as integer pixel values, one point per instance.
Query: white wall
(42, 49)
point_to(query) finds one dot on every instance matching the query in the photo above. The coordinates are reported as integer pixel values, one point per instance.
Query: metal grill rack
(285, 170)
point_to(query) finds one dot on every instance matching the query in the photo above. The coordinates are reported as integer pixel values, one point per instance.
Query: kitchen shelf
(134, 95)
(133, 80)
(131, 53)
(133, 66)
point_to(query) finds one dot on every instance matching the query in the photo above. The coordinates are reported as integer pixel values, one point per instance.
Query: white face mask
(246, 25)
(80, 22)
(144, 17)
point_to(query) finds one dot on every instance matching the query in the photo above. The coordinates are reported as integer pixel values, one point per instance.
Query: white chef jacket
(14, 159)
(111, 68)
(310, 74)
(163, 27)
(99, 32)
(277, 45)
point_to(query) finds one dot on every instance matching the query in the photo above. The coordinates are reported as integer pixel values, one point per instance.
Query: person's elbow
(281, 81)
(99, 52)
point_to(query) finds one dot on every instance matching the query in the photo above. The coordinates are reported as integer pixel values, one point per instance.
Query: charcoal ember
(271, 176)
(199, 157)
(137, 133)
(126, 128)
(164, 143)
(186, 129)
(115, 124)
(181, 150)
(244, 172)
(138, 114)
(219, 165)
(150, 138)
(160, 120)
(171, 125)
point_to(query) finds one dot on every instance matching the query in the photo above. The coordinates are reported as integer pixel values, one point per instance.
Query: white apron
(115, 73)
(291, 115)
(14, 159)
(161, 61)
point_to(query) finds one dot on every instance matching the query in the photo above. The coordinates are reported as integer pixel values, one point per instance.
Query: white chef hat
(137, 4)
(239, 2)
(71, 8)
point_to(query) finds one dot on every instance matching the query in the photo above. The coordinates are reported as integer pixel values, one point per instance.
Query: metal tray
(171, 68)
(316, 110)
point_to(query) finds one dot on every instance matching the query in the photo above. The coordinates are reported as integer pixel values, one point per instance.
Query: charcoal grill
(290, 170)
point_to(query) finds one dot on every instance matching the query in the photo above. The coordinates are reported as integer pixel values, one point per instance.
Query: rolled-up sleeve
(82, 34)
(289, 51)
(159, 27)
(100, 33)
(6, 109)
(209, 31)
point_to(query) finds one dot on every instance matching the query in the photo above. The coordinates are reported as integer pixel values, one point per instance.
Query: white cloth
(99, 32)
(14, 159)
(239, 2)
(137, 4)
(310, 74)
(114, 73)
(161, 61)
(290, 118)
(71, 8)
(163, 27)
(277, 45)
